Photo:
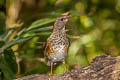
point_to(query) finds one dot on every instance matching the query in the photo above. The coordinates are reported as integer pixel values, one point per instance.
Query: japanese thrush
(57, 43)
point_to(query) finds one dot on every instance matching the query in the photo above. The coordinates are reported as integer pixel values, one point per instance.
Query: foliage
(94, 30)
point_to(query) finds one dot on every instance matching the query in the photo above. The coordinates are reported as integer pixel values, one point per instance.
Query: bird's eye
(62, 19)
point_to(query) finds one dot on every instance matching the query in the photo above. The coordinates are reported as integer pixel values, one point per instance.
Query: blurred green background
(26, 24)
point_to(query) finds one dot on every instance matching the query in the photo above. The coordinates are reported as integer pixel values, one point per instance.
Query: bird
(57, 44)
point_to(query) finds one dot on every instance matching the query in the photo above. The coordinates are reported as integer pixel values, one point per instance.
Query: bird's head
(61, 21)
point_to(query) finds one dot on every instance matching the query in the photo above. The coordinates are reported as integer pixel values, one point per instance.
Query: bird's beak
(69, 16)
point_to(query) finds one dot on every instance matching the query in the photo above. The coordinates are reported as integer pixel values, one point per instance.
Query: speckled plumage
(57, 43)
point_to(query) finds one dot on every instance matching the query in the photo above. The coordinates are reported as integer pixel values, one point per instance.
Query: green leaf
(16, 41)
(5, 69)
(1, 43)
(40, 22)
(60, 69)
(40, 29)
(8, 63)
(7, 36)
(22, 39)
(10, 59)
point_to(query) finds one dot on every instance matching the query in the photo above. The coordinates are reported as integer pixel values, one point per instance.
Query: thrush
(57, 43)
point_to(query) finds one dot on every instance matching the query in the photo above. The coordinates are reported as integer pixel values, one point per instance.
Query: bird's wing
(48, 49)
(67, 47)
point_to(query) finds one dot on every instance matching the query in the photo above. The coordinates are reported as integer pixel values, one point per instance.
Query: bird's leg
(65, 65)
(51, 68)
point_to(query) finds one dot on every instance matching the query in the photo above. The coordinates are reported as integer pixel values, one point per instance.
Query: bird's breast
(59, 45)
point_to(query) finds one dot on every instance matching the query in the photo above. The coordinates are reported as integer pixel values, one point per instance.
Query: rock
(103, 67)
